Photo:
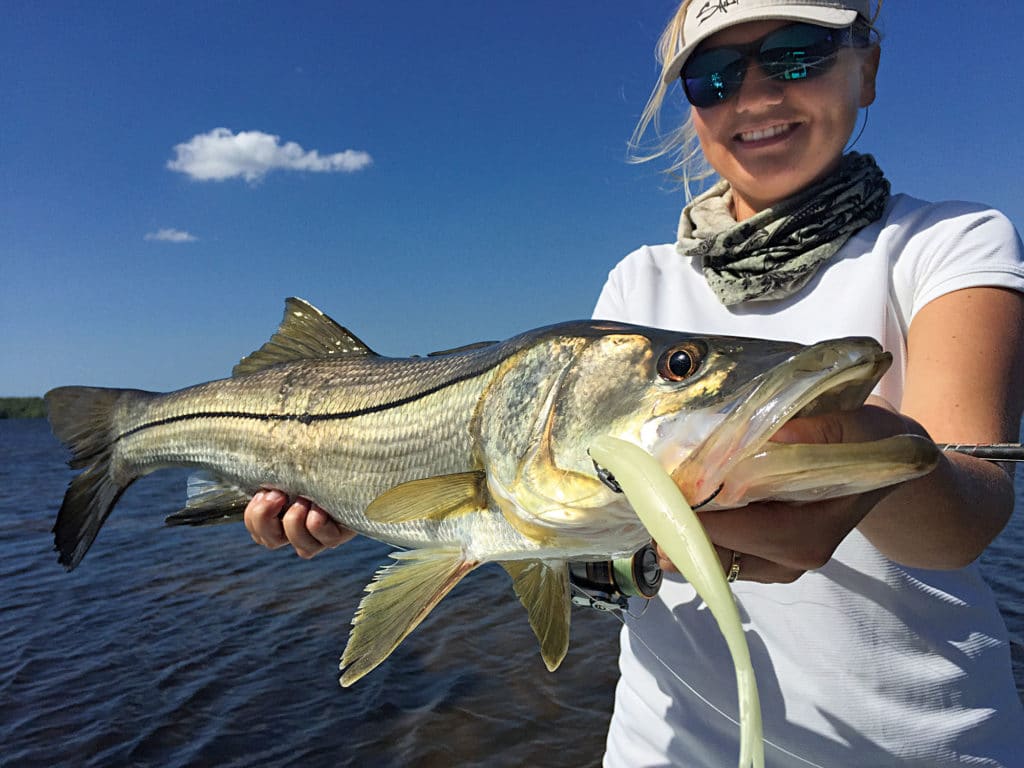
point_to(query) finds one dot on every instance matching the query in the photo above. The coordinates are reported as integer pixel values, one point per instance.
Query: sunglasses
(794, 52)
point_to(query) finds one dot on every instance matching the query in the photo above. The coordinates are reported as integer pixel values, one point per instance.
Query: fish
(480, 453)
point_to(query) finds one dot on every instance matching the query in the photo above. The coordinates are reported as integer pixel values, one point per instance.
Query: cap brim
(826, 17)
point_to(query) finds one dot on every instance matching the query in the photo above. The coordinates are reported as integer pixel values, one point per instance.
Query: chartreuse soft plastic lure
(667, 515)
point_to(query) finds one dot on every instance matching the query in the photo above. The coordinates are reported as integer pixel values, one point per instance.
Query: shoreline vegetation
(22, 408)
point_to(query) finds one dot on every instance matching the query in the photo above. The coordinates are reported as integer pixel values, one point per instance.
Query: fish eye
(679, 362)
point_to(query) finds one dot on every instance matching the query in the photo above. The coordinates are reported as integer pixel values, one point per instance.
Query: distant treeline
(22, 408)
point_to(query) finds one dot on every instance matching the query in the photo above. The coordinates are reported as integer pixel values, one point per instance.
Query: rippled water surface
(177, 646)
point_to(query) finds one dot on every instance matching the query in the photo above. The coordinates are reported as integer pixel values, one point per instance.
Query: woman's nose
(758, 90)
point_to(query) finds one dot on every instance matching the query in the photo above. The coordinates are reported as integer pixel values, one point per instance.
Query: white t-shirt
(862, 662)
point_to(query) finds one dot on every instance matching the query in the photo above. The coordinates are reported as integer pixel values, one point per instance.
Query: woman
(889, 649)
(874, 639)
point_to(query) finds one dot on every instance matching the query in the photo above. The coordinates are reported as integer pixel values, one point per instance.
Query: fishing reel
(607, 585)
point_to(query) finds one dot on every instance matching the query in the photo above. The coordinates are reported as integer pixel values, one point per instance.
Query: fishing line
(702, 698)
(860, 133)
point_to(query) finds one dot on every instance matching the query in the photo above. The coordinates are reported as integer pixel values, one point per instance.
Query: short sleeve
(609, 304)
(945, 247)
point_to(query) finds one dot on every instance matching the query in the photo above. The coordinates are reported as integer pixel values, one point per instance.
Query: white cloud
(221, 154)
(171, 236)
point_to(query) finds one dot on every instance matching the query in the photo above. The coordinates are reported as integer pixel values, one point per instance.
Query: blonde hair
(680, 145)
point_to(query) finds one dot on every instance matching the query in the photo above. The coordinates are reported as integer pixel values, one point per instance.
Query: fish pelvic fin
(83, 419)
(543, 589)
(211, 501)
(305, 333)
(397, 600)
(431, 498)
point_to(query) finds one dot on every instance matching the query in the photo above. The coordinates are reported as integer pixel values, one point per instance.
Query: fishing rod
(987, 451)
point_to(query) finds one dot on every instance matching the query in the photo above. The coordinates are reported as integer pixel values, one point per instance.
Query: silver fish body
(478, 454)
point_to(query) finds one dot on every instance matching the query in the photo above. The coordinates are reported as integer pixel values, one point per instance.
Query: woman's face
(773, 138)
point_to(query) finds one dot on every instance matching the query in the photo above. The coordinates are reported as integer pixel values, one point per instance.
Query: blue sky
(464, 167)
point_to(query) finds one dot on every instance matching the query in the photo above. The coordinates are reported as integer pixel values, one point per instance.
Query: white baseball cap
(706, 17)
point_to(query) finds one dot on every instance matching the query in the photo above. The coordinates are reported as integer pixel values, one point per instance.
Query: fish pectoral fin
(431, 498)
(543, 589)
(211, 500)
(305, 333)
(397, 600)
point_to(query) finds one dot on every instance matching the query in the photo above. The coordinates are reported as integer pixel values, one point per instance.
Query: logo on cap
(709, 9)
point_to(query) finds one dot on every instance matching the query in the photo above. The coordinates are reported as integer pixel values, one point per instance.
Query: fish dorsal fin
(543, 589)
(305, 333)
(397, 600)
(432, 498)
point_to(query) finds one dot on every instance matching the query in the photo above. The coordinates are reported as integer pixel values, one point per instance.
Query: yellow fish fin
(543, 589)
(432, 498)
(396, 601)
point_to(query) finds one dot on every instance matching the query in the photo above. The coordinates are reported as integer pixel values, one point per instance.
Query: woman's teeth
(764, 133)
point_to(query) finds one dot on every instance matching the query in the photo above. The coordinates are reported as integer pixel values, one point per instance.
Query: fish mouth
(826, 377)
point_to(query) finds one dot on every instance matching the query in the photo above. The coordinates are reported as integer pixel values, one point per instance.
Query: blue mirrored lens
(794, 52)
(802, 52)
(714, 76)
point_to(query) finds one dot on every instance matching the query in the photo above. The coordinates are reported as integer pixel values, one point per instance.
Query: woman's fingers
(294, 522)
(273, 523)
(263, 518)
(324, 529)
(748, 567)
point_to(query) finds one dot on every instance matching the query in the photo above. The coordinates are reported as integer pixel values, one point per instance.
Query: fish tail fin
(397, 600)
(83, 419)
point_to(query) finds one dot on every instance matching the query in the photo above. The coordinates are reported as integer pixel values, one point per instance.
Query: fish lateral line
(303, 418)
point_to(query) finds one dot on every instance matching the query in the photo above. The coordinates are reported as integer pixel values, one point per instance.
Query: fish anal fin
(543, 589)
(396, 601)
(211, 501)
(305, 333)
(431, 498)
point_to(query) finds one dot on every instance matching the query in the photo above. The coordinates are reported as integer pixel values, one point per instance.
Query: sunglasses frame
(857, 35)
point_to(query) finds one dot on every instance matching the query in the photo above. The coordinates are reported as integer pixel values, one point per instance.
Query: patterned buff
(776, 252)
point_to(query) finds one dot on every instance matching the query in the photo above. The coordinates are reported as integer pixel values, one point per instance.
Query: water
(177, 646)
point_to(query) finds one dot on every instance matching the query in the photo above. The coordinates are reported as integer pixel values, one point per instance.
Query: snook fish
(478, 454)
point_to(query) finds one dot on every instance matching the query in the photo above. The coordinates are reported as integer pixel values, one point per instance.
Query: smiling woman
(801, 240)
(779, 133)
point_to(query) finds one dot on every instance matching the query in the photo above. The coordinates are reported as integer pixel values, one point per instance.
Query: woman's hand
(304, 525)
(777, 542)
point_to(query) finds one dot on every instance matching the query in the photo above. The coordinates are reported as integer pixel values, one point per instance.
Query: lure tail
(83, 418)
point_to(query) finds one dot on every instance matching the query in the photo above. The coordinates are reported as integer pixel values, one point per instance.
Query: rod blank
(988, 451)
